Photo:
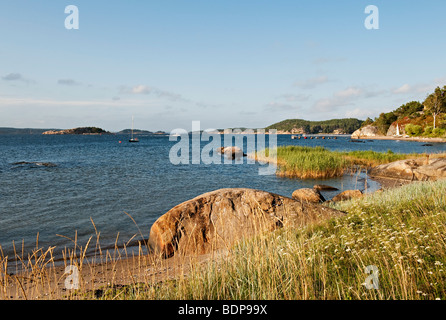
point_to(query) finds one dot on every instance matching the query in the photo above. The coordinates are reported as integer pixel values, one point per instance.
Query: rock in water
(217, 219)
(324, 187)
(308, 195)
(35, 164)
(412, 169)
(231, 152)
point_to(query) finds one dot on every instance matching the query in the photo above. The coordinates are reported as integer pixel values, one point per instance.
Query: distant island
(74, 131)
(415, 119)
(7, 130)
(140, 132)
(81, 131)
(300, 126)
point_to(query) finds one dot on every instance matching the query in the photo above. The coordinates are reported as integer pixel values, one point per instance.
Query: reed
(318, 162)
(400, 231)
(38, 275)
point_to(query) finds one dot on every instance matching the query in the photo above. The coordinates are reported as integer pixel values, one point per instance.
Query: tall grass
(41, 274)
(306, 162)
(318, 162)
(401, 231)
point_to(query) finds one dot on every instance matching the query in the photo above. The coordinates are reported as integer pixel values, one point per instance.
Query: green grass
(401, 231)
(307, 162)
(318, 162)
(371, 158)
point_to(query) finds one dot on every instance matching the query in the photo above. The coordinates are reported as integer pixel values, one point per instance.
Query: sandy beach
(52, 283)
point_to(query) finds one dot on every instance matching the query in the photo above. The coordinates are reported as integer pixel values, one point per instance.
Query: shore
(43, 280)
(388, 183)
(419, 139)
(145, 276)
(95, 279)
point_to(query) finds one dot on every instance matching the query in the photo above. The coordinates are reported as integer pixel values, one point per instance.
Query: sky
(225, 63)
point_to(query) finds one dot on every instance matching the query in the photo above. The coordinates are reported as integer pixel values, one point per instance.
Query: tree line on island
(300, 126)
(415, 118)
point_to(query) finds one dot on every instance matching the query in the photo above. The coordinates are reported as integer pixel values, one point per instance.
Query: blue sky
(225, 63)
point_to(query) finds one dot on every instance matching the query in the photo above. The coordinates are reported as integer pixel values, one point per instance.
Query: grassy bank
(400, 231)
(318, 162)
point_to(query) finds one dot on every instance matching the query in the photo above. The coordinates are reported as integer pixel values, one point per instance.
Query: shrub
(438, 132)
(428, 130)
(413, 130)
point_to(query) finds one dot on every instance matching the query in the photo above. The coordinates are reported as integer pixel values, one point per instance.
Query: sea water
(122, 187)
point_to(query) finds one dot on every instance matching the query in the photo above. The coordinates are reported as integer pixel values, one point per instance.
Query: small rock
(347, 195)
(309, 195)
(34, 163)
(324, 187)
(231, 152)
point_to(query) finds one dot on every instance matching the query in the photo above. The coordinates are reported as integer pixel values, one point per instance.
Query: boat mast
(132, 127)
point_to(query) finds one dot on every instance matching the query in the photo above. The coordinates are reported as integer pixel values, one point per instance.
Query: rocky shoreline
(417, 139)
(371, 133)
(78, 131)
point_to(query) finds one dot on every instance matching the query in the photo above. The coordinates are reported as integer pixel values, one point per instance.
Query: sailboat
(397, 131)
(132, 139)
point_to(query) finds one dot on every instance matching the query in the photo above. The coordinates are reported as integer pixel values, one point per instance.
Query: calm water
(98, 178)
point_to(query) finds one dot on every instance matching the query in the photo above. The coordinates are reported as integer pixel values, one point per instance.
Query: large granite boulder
(422, 169)
(366, 132)
(217, 219)
(308, 195)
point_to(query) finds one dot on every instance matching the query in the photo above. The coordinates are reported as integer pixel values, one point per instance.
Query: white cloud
(359, 113)
(329, 104)
(349, 92)
(274, 106)
(424, 88)
(403, 89)
(31, 102)
(294, 97)
(148, 90)
(344, 97)
(312, 82)
(68, 82)
(141, 89)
